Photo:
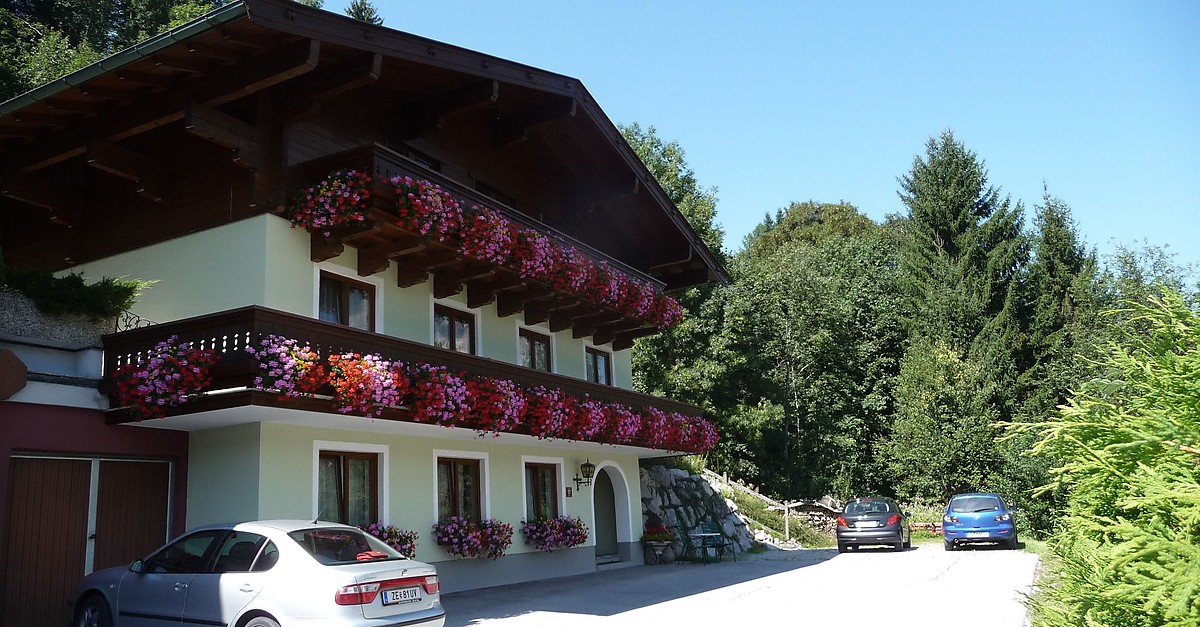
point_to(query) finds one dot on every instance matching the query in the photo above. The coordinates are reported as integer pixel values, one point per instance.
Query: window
(347, 302)
(541, 491)
(599, 366)
(534, 350)
(238, 551)
(458, 488)
(348, 487)
(453, 329)
(189, 554)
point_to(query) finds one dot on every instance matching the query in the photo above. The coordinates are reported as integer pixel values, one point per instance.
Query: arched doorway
(613, 525)
(606, 518)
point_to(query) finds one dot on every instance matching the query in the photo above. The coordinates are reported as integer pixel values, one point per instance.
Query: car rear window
(868, 507)
(342, 546)
(975, 504)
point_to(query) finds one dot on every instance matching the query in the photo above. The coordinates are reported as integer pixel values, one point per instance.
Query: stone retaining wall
(682, 500)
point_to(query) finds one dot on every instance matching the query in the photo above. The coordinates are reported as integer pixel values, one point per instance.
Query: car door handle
(247, 588)
(181, 586)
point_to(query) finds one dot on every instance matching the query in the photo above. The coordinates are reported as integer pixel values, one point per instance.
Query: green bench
(707, 536)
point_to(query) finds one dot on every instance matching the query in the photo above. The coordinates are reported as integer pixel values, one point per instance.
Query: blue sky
(776, 102)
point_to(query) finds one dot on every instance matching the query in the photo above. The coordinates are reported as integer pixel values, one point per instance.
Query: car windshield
(868, 507)
(332, 545)
(975, 504)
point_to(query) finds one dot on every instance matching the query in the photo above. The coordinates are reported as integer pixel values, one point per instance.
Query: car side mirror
(137, 566)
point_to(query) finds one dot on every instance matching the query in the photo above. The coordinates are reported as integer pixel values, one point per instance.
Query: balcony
(233, 375)
(381, 239)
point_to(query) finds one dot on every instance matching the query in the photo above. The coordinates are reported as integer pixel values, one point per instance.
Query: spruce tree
(364, 11)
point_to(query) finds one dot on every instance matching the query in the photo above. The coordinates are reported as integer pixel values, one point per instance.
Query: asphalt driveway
(914, 587)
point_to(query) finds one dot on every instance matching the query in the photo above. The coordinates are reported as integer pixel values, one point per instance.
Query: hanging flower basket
(548, 534)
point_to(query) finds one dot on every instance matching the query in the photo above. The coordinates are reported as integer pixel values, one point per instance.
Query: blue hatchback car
(978, 517)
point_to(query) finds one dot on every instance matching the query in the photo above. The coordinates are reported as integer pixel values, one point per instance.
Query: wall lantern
(588, 470)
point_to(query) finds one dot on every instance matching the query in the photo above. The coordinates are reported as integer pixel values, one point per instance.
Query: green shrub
(1127, 551)
(69, 294)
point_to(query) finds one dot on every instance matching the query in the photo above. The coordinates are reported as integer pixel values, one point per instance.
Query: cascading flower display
(425, 208)
(437, 395)
(368, 385)
(555, 533)
(287, 366)
(364, 384)
(463, 537)
(340, 199)
(402, 540)
(497, 405)
(165, 377)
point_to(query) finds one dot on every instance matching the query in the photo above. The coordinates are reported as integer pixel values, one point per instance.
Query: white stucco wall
(267, 470)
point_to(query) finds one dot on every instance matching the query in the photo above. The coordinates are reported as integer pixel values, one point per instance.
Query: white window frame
(560, 478)
(540, 329)
(352, 447)
(485, 490)
(476, 315)
(375, 280)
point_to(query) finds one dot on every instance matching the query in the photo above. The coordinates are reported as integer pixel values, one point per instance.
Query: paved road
(924, 585)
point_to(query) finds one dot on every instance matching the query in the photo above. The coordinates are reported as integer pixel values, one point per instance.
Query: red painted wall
(51, 429)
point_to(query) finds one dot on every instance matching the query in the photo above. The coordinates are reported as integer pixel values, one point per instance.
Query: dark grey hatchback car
(875, 520)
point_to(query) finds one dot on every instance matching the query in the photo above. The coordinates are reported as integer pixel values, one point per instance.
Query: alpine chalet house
(395, 281)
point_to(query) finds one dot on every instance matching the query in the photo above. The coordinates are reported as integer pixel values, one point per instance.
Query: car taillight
(950, 519)
(365, 593)
(360, 594)
(894, 519)
(842, 522)
(1003, 517)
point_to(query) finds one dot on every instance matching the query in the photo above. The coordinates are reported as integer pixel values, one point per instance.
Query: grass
(772, 521)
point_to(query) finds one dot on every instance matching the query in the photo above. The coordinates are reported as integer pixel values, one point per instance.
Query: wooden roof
(239, 75)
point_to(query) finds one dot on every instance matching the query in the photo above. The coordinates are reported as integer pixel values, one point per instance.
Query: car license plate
(977, 534)
(864, 524)
(401, 595)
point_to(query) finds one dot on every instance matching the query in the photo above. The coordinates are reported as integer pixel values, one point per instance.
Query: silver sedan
(265, 574)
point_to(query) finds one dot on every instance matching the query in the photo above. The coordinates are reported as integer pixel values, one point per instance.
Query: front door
(605, 502)
(70, 516)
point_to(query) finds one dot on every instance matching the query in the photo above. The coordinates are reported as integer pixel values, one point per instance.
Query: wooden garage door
(68, 517)
(48, 507)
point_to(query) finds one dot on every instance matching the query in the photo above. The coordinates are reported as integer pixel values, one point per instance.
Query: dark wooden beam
(226, 131)
(450, 280)
(77, 106)
(304, 96)
(687, 278)
(108, 93)
(611, 191)
(513, 301)
(414, 269)
(63, 204)
(587, 325)
(425, 115)
(374, 259)
(128, 164)
(169, 106)
(625, 339)
(511, 129)
(483, 291)
(184, 64)
(321, 248)
(23, 132)
(606, 332)
(216, 52)
(145, 78)
(45, 119)
(563, 318)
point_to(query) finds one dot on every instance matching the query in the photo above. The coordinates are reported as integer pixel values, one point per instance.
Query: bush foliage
(1127, 550)
(69, 294)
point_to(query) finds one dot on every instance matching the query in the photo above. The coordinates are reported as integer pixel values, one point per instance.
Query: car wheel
(1014, 543)
(261, 621)
(843, 548)
(899, 546)
(93, 612)
(948, 545)
(908, 543)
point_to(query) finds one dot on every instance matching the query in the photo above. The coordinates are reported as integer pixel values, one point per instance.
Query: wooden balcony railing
(380, 241)
(229, 333)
